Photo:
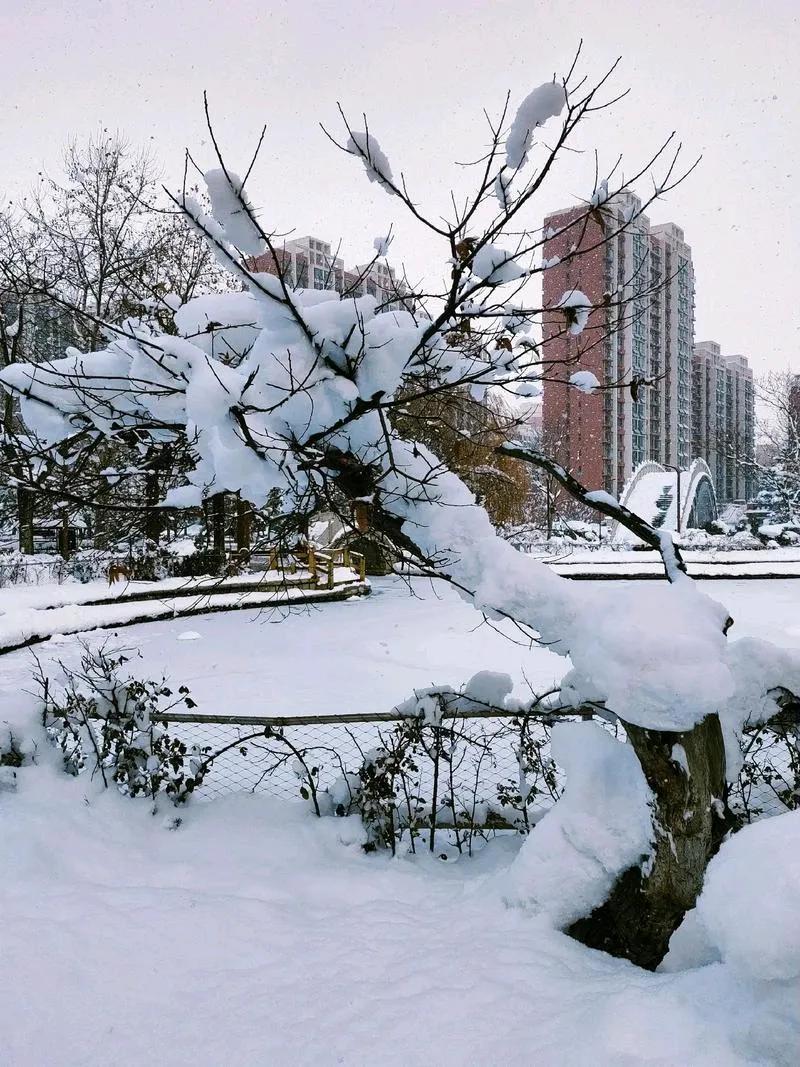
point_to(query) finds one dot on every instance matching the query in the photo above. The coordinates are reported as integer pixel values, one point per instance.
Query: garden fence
(471, 773)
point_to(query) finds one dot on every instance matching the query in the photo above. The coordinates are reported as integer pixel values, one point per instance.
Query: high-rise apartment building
(642, 281)
(646, 277)
(723, 407)
(308, 263)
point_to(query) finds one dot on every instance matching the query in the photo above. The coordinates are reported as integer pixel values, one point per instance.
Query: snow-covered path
(31, 614)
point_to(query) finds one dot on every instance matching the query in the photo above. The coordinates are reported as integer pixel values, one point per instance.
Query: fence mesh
(475, 771)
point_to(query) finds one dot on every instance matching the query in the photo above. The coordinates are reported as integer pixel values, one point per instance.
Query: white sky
(722, 73)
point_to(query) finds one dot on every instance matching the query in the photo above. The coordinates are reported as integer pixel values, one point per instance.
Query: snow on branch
(366, 147)
(585, 381)
(606, 505)
(576, 307)
(233, 211)
(545, 102)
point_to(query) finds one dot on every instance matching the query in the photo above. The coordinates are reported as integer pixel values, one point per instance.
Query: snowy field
(254, 934)
(366, 655)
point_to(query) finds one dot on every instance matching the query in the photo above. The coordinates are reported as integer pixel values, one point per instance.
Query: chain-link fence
(472, 772)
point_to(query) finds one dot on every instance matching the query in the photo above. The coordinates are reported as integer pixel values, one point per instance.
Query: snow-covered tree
(310, 411)
(777, 467)
(82, 252)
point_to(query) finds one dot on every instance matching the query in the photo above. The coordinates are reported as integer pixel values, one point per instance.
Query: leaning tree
(310, 411)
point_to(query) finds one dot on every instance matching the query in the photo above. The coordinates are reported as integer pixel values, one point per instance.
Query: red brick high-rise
(644, 275)
(572, 420)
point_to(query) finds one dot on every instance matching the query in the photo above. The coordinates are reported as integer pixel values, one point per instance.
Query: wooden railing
(320, 563)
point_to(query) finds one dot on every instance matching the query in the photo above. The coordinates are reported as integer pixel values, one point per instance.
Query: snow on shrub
(100, 714)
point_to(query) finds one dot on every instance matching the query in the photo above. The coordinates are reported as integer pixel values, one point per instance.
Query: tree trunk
(646, 907)
(63, 538)
(25, 503)
(217, 509)
(243, 516)
(154, 520)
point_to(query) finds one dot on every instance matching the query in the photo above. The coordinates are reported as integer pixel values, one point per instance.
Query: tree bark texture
(215, 516)
(25, 505)
(647, 904)
(244, 514)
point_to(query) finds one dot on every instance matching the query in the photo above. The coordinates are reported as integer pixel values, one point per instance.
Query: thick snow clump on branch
(232, 210)
(376, 163)
(579, 306)
(545, 102)
(584, 380)
(496, 265)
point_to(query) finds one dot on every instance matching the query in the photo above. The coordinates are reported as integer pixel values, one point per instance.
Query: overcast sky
(722, 73)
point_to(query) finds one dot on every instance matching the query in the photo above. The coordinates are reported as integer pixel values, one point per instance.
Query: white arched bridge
(668, 498)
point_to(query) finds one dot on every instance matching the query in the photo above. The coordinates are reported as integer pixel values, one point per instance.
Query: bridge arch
(652, 493)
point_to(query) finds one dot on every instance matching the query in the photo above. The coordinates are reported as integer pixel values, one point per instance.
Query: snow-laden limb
(486, 691)
(598, 496)
(585, 381)
(750, 904)
(545, 102)
(381, 244)
(601, 826)
(233, 211)
(656, 655)
(366, 147)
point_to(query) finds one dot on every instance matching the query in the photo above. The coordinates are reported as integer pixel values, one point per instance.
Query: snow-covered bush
(20, 568)
(769, 779)
(98, 714)
(429, 774)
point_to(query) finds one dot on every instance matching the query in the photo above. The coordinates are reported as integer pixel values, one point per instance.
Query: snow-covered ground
(367, 654)
(256, 934)
(31, 613)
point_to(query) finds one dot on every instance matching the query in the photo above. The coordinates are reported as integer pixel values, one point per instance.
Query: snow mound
(601, 826)
(750, 904)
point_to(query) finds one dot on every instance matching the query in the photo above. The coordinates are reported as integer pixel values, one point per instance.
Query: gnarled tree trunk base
(686, 772)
